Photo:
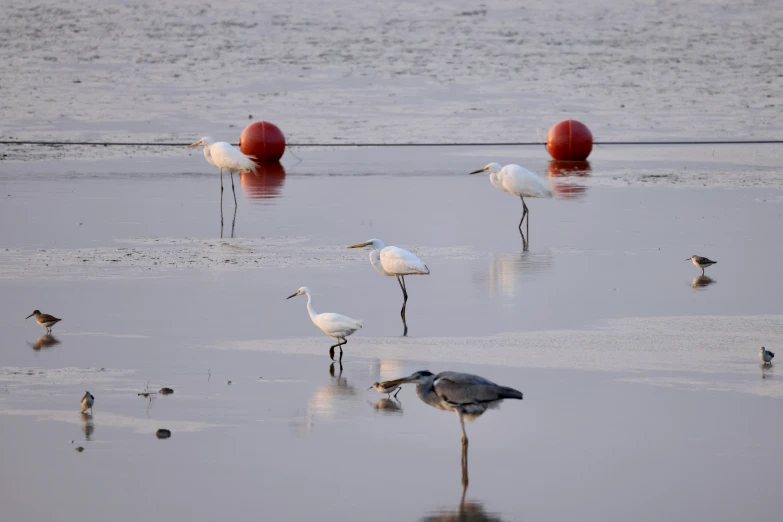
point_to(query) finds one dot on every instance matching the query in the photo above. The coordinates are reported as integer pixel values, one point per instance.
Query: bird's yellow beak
(359, 245)
(479, 171)
(194, 144)
(292, 295)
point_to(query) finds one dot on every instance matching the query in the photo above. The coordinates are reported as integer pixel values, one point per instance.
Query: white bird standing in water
(469, 396)
(394, 261)
(333, 325)
(765, 355)
(87, 401)
(225, 157)
(518, 181)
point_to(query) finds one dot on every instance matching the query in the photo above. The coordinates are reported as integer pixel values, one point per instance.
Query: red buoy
(569, 140)
(263, 140)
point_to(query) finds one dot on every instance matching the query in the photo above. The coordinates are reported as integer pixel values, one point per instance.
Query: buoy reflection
(568, 169)
(265, 183)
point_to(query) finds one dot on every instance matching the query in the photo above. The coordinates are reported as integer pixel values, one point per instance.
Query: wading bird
(701, 262)
(333, 325)
(45, 320)
(394, 261)
(765, 355)
(469, 396)
(87, 401)
(383, 387)
(225, 157)
(518, 181)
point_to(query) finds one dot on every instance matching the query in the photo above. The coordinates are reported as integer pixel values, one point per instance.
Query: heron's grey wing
(471, 389)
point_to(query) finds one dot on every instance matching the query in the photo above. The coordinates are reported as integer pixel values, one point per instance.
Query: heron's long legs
(233, 222)
(221, 202)
(401, 280)
(234, 191)
(524, 214)
(464, 435)
(338, 345)
(464, 472)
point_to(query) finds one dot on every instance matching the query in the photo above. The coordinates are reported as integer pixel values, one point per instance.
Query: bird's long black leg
(232, 188)
(702, 271)
(345, 341)
(234, 222)
(221, 202)
(398, 391)
(331, 351)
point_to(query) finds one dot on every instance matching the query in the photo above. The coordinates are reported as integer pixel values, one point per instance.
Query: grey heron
(467, 395)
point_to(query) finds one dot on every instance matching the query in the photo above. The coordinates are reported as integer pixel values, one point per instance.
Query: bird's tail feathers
(509, 393)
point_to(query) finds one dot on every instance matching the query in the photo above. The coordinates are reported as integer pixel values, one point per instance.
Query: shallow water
(640, 378)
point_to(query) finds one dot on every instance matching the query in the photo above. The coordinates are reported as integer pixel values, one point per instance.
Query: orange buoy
(569, 140)
(262, 140)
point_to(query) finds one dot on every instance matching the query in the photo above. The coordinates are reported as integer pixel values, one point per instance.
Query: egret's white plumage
(518, 181)
(226, 157)
(394, 261)
(334, 325)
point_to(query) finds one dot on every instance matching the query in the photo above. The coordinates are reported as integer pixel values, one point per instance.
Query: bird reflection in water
(568, 169)
(45, 341)
(326, 400)
(506, 270)
(388, 406)
(88, 427)
(265, 183)
(466, 511)
(702, 281)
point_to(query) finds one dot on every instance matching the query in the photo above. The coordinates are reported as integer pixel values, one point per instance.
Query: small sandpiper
(701, 262)
(45, 320)
(87, 401)
(384, 387)
(765, 355)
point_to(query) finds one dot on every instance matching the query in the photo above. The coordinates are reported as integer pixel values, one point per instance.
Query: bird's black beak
(479, 171)
(29, 316)
(370, 388)
(688, 259)
(292, 295)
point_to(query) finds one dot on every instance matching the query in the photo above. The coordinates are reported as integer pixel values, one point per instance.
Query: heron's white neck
(311, 309)
(375, 261)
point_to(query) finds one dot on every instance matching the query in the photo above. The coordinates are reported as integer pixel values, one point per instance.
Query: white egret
(87, 401)
(225, 157)
(333, 325)
(394, 261)
(701, 262)
(518, 181)
(765, 355)
(469, 396)
(45, 320)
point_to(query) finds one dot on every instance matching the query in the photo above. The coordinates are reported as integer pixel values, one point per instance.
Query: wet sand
(643, 395)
